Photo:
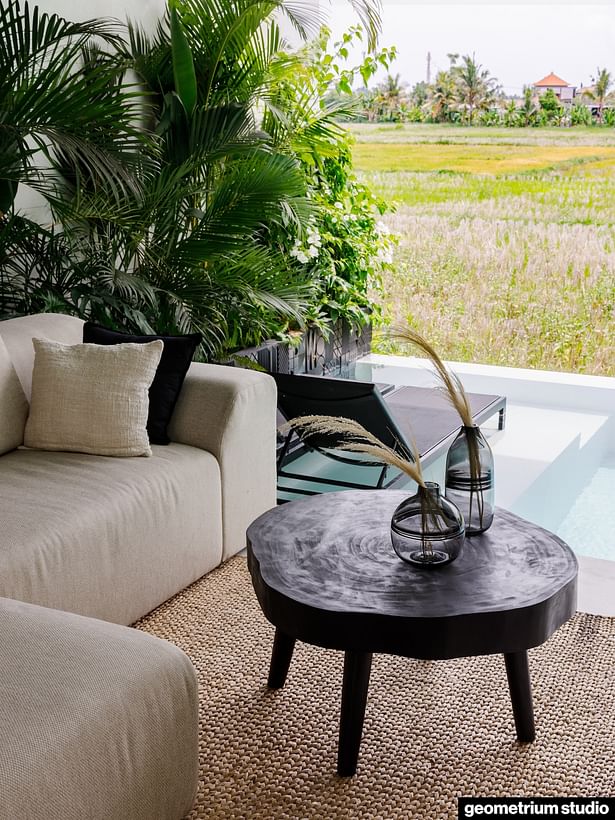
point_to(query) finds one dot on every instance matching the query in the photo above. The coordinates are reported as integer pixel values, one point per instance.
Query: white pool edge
(546, 388)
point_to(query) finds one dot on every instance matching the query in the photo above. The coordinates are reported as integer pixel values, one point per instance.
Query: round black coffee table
(324, 572)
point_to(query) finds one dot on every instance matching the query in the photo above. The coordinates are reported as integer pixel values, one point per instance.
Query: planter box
(316, 355)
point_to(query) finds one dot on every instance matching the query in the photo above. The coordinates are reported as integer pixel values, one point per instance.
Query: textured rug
(433, 730)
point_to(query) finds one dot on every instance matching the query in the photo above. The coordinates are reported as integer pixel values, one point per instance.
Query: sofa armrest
(231, 413)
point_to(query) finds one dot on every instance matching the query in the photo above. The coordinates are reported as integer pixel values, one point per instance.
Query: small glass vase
(469, 481)
(427, 529)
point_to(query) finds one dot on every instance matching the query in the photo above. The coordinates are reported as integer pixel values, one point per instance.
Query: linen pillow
(13, 404)
(91, 399)
(174, 363)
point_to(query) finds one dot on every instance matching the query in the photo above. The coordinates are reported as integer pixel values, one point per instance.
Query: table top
(325, 567)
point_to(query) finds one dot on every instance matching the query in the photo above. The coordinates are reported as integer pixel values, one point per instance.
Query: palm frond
(60, 95)
(306, 16)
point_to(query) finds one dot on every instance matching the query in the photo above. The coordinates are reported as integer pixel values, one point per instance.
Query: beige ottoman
(97, 721)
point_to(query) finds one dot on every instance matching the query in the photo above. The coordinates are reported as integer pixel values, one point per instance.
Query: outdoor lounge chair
(396, 416)
(361, 401)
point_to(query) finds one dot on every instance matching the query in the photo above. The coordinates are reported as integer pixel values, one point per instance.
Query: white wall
(142, 11)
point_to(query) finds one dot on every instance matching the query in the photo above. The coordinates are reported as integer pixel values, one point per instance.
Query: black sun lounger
(398, 417)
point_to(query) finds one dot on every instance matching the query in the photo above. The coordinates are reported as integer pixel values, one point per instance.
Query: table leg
(518, 673)
(357, 666)
(281, 656)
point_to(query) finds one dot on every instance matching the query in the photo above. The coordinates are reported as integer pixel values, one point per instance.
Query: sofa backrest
(17, 335)
(13, 404)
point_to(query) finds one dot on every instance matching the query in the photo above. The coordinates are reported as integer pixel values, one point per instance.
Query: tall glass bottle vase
(469, 481)
(427, 529)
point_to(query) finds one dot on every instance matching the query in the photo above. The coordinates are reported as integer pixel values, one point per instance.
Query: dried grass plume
(354, 437)
(450, 383)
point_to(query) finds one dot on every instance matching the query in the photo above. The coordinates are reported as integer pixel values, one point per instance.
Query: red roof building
(561, 89)
(551, 81)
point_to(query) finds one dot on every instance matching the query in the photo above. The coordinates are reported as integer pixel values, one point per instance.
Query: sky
(519, 43)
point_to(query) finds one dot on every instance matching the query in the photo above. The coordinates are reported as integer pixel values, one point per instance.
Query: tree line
(468, 94)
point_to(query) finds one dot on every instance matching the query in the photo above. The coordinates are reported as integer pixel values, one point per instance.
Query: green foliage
(183, 63)
(490, 118)
(42, 271)
(345, 249)
(354, 247)
(414, 114)
(580, 115)
(602, 84)
(442, 98)
(204, 231)
(475, 87)
(551, 110)
(511, 115)
(419, 94)
(388, 102)
(609, 117)
(528, 114)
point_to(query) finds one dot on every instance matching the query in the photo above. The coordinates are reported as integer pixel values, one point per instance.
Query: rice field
(506, 249)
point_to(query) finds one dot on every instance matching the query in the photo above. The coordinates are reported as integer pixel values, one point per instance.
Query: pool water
(589, 527)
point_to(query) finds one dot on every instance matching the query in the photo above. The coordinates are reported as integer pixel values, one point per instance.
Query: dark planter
(314, 354)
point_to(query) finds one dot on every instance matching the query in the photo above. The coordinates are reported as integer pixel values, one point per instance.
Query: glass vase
(469, 481)
(427, 529)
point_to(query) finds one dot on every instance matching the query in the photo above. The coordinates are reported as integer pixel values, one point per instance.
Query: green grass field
(506, 240)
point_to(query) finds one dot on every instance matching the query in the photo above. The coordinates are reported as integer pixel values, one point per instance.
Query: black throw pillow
(174, 363)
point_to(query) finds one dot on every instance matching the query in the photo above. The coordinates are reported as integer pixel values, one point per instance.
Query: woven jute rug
(433, 730)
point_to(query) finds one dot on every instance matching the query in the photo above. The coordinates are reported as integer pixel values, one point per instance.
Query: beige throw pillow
(90, 398)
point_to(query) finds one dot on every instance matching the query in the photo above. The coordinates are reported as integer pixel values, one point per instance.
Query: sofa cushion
(107, 537)
(97, 721)
(170, 374)
(13, 404)
(91, 399)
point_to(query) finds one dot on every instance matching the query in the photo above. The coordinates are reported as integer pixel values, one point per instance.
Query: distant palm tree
(476, 88)
(528, 109)
(441, 101)
(419, 93)
(388, 97)
(602, 84)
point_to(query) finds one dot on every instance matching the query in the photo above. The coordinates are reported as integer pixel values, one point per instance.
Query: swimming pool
(589, 527)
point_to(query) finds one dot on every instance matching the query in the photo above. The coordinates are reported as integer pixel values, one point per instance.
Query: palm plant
(442, 97)
(41, 270)
(602, 85)
(231, 127)
(212, 191)
(528, 110)
(476, 88)
(389, 95)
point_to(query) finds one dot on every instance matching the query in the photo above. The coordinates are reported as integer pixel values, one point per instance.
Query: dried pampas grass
(450, 383)
(451, 386)
(354, 437)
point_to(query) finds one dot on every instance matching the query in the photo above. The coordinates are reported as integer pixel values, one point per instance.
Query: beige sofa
(97, 720)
